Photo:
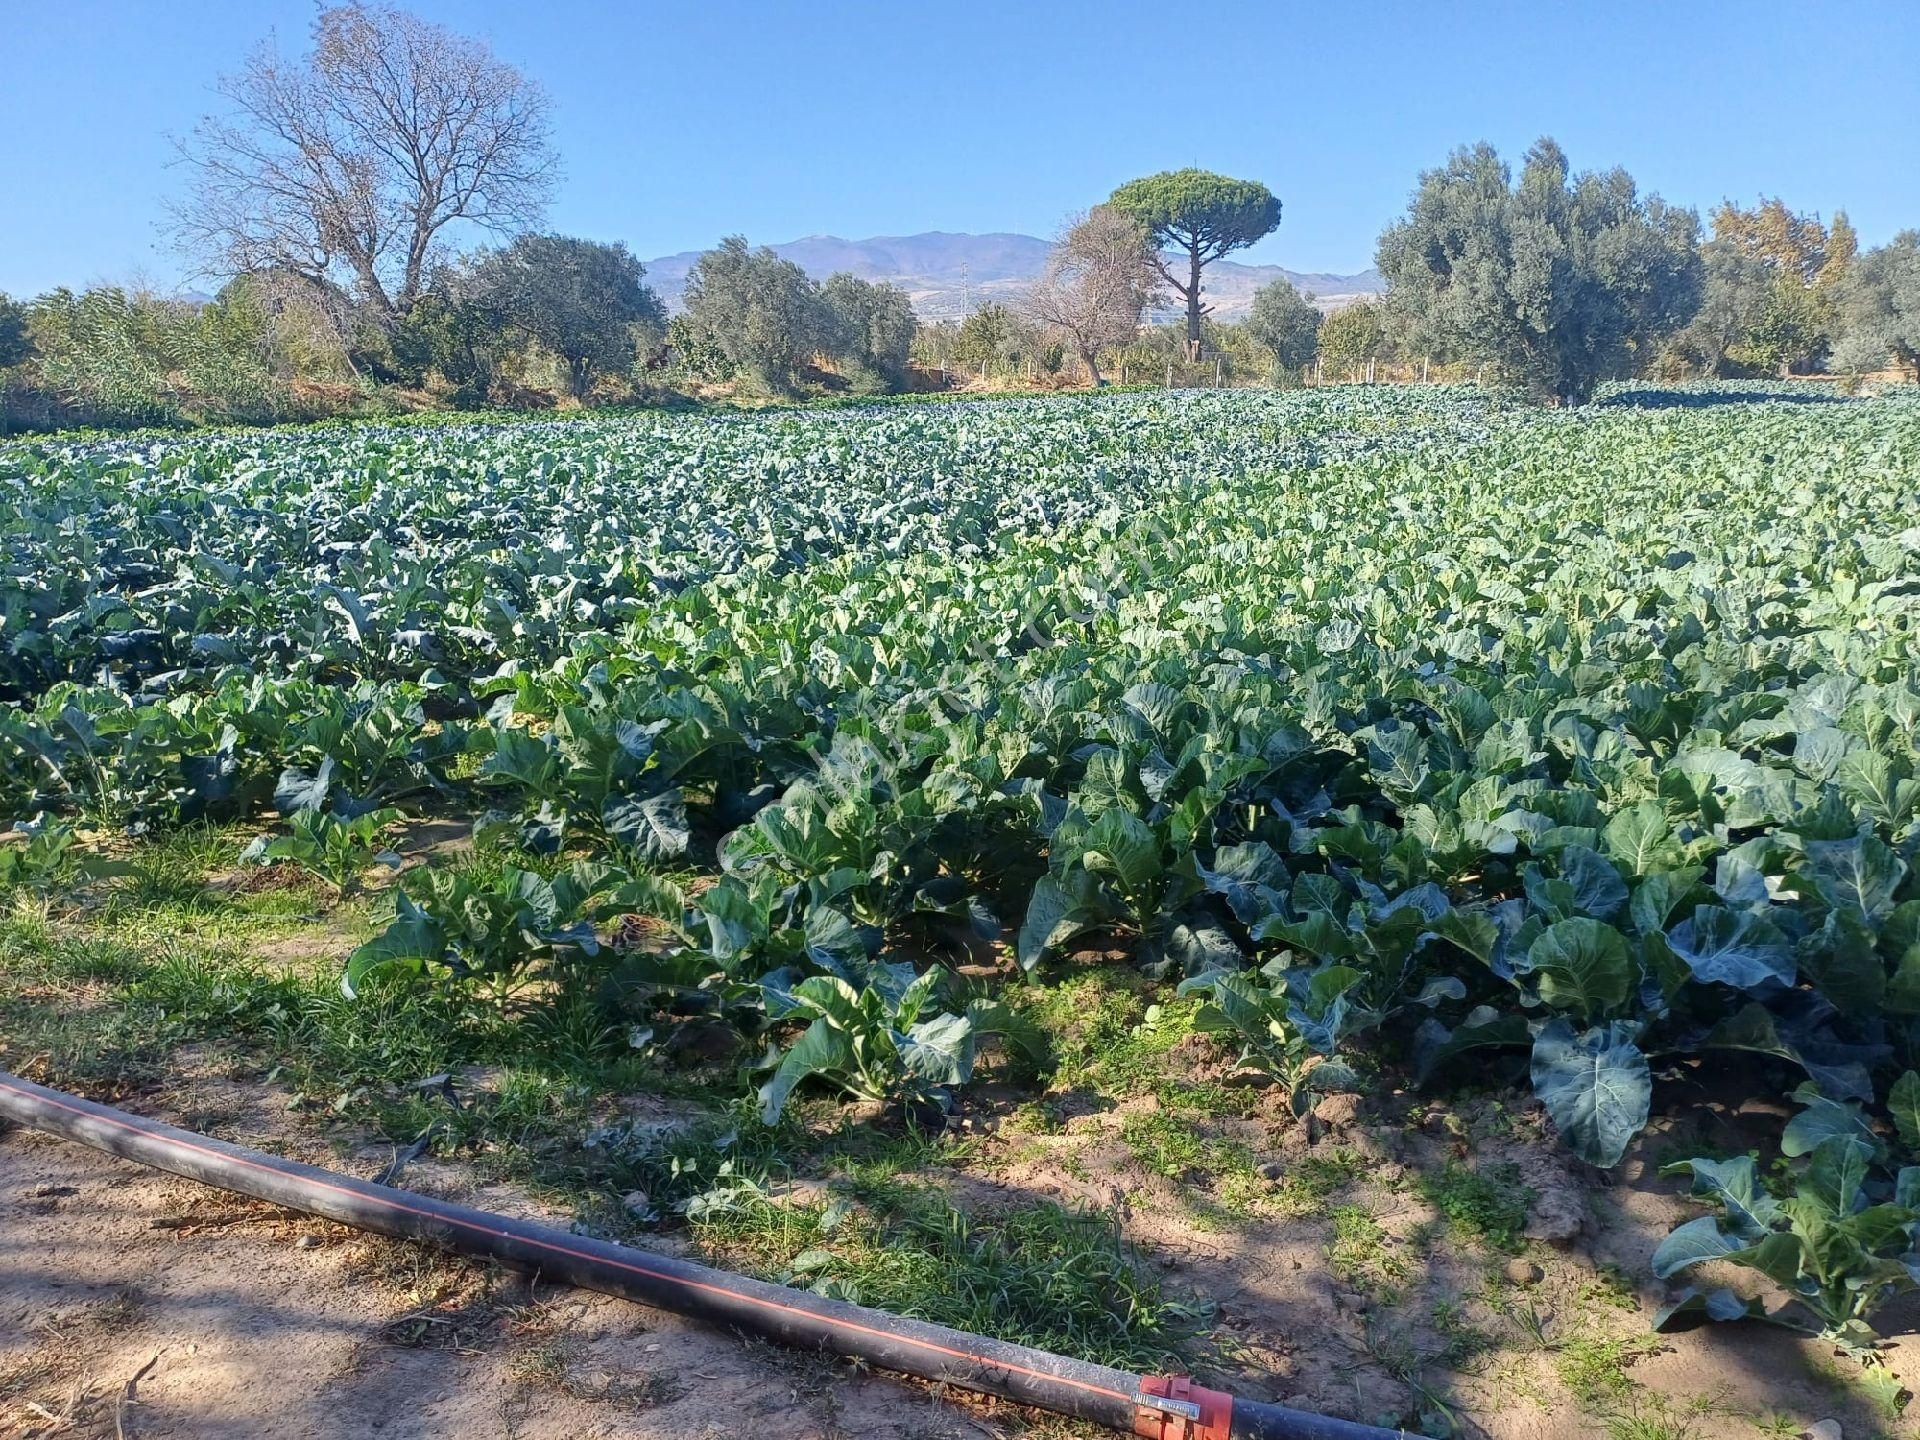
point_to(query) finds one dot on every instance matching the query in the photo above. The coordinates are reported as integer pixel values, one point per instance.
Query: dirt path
(135, 1304)
(178, 1311)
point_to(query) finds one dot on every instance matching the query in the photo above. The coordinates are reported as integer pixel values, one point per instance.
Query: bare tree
(1101, 275)
(346, 167)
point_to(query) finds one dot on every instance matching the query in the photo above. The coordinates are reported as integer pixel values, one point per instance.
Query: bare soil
(135, 1304)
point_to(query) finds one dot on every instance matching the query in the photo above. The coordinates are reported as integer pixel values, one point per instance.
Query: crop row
(1397, 725)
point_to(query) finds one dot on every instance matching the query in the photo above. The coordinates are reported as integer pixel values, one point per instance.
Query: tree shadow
(1653, 398)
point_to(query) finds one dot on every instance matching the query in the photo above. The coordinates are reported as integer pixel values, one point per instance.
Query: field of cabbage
(1405, 737)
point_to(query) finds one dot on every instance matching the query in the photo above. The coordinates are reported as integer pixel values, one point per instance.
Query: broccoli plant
(1840, 1240)
(497, 931)
(48, 859)
(1287, 1029)
(889, 1041)
(338, 849)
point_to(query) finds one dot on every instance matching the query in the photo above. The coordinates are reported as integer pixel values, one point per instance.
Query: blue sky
(681, 123)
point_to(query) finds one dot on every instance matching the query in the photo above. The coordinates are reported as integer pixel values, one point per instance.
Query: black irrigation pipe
(1163, 1407)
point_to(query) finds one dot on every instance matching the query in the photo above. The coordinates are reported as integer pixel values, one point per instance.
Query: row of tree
(330, 196)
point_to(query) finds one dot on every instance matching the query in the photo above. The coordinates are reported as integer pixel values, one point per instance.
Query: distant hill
(949, 275)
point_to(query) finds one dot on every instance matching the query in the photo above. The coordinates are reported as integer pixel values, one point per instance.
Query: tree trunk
(1093, 368)
(375, 294)
(1193, 303)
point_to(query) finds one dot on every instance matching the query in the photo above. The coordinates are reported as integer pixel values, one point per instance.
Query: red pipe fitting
(1172, 1407)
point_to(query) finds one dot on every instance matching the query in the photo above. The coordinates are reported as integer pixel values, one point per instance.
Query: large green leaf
(298, 790)
(1123, 845)
(1751, 1211)
(1640, 839)
(1725, 947)
(1061, 909)
(653, 826)
(940, 1051)
(823, 1049)
(1821, 1120)
(412, 938)
(1858, 875)
(1656, 898)
(1482, 1029)
(1251, 877)
(1583, 965)
(1598, 889)
(1837, 1174)
(1595, 1085)
(1903, 1103)
(1693, 1243)
(1691, 1306)
(1899, 941)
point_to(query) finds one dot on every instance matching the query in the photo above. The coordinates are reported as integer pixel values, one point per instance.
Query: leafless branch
(1100, 277)
(348, 167)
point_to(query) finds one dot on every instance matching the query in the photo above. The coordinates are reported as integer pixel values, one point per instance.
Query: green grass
(1312, 1181)
(1094, 1019)
(1114, 1041)
(1487, 1207)
(1465, 1341)
(1216, 1173)
(1113, 1036)
(1034, 1274)
(1361, 1253)
(1594, 1371)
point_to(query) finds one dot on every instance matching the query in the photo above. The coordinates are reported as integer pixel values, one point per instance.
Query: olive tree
(873, 328)
(16, 341)
(1203, 216)
(1879, 308)
(1768, 293)
(579, 299)
(759, 311)
(1558, 281)
(1284, 323)
(985, 336)
(1350, 338)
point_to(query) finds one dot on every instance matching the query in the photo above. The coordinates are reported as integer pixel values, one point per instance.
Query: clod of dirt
(1523, 1272)
(1337, 1112)
(1391, 1140)
(1559, 1210)
(1828, 1429)
(637, 1203)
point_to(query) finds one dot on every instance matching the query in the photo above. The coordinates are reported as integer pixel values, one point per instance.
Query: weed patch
(1488, 1208)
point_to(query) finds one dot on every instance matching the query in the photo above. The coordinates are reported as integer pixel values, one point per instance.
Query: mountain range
(950, 275)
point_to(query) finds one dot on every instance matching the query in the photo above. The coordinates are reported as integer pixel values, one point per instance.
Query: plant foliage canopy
(1557, 281)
